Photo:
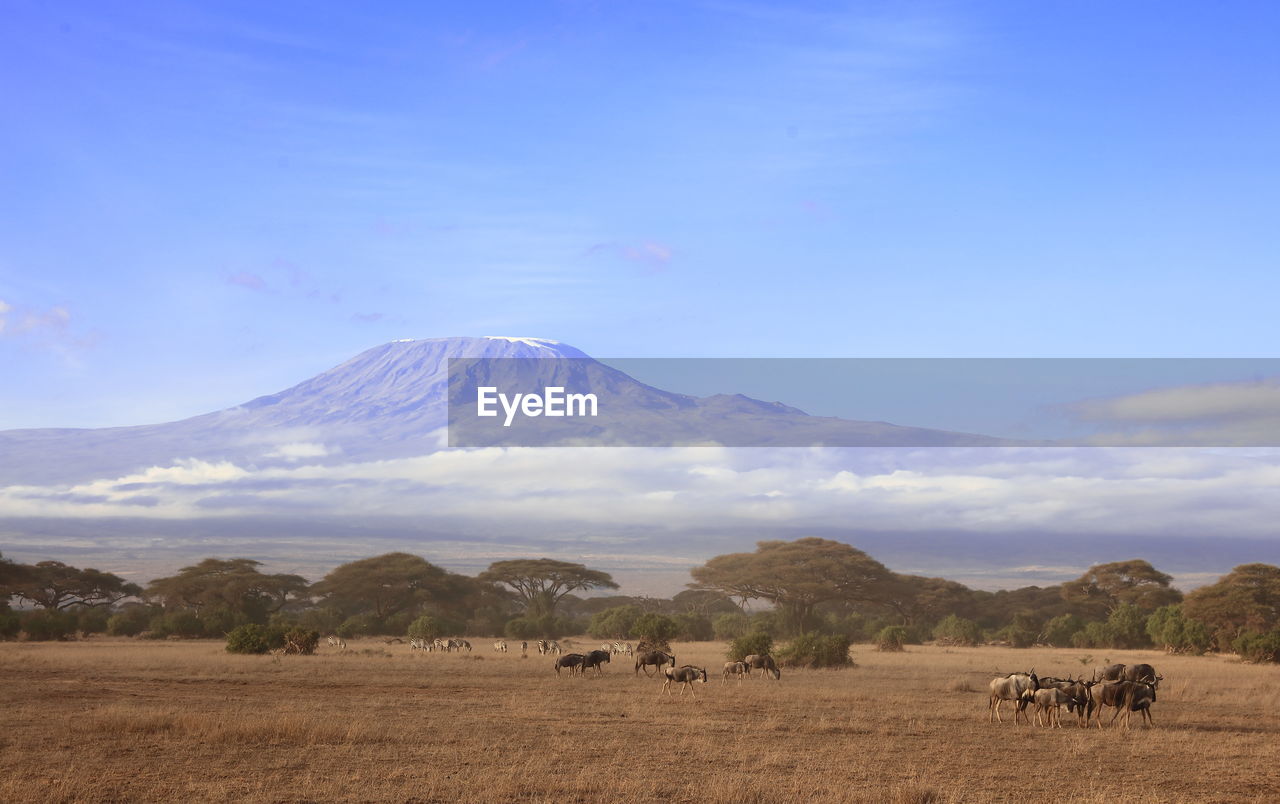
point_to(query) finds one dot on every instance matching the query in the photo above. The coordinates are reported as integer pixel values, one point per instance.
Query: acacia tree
(1106, 587)
(796, 576)
(542, 582)
(56, 586)
(235, 584)
(386, 585)
(1247, 599)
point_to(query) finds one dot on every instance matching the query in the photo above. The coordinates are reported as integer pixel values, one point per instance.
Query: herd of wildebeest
(1124, 688)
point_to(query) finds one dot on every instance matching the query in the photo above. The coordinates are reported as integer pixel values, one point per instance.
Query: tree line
(808, 587)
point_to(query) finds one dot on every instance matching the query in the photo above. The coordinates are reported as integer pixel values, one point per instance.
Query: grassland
(119, 720)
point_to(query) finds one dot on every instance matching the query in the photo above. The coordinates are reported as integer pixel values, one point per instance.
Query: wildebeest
(1018, 687)
(1112, 672)
(739, 669)
(1127, 697)
(1049, 701)
(594, 659)
(684, 676)
(1144, 673)
(573, 661)
(765, 664)
(655, 659)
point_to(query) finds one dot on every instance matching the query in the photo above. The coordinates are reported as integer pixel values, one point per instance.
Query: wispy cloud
(1220, 414)
(649, 253)
(247, 280)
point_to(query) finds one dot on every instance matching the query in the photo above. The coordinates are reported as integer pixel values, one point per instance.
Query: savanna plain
(125, 720)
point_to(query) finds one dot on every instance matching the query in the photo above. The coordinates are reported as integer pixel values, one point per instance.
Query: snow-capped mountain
(392, 401)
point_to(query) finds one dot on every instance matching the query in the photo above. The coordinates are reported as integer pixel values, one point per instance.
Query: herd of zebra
(1125, 688)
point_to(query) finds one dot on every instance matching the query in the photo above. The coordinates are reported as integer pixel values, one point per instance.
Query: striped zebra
(419, 644)
(336, 642)
(500, 646)
(617, 648)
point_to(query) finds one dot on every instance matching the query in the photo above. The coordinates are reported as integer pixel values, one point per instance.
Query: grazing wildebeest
(765, 664)
(1142, 672)
(739, 669)
(594, 659)
(655, 659)
(1017, 687)
(1127, 697)
(573, 661)
(684, 676)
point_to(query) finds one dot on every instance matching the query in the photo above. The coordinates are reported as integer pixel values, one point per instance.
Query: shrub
(248, 638)
(521, 628)
(655, 627)
(1059, 631)
(730, 625)
(353, 627)
(1255, 647)
(129, 621)
(814, 650)
(299, 641)
(891, 638)
(694, 627)
(429, 627)
(1093, 635)
(955, 630)
(10, 625)
(614, 623)
(176, 623)
(91, 619)
(44, 624)
(756, 642)
(1169, 628)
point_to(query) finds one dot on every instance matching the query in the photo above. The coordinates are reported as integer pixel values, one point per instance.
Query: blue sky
(207, 202)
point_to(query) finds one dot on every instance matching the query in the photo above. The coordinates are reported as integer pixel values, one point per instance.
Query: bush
(248, 638)
(353, 627)
(1093, 635)
(730, 625)
(545, 627)
(1255, 647)
(694, 627)
(90, 619)
(815, 650)
(299, 641)
(614, 623)
(756, 642)
(891, 638)
(10, 624)
(655, 627)
(176, 623)
(44, 624)
(130, 620)
(955, 630)
(1059, 631)
(429, 627)
(1172, 630)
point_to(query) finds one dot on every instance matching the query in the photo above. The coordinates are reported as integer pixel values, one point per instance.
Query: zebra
(500, 646)
(418, 644)
(336, 642)
(618, 648)
(462, 643)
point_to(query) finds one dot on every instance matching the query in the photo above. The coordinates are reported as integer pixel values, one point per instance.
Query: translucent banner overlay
(872, 402)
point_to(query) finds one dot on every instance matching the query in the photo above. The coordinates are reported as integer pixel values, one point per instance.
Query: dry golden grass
(117, 720)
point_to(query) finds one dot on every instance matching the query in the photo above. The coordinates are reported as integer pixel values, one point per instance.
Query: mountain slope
(391, 401)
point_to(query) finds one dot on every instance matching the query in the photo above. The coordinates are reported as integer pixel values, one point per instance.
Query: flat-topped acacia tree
(796, 576)
(542, 582)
